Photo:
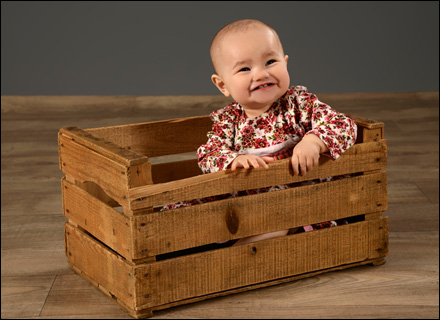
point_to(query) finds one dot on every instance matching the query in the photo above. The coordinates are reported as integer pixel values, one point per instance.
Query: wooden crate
(146, 260)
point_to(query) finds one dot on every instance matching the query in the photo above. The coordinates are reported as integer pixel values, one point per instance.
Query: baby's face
(252, 68)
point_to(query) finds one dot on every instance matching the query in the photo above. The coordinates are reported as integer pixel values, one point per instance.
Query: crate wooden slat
(142, 235)
(139, 257)
(362, 157)
(158, 138)
(143, 288)
(82, 163)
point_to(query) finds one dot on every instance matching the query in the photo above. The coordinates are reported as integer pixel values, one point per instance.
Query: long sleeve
(335, 129)
(294, 115)
(218, 152)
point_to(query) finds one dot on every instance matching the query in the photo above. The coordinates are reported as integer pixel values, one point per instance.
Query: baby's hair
(239, 25)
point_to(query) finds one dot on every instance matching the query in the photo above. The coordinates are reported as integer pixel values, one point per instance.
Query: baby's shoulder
(299, 91)
(230, 113)
(300, 95)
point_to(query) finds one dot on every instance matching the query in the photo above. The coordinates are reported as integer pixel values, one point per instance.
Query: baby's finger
(254, 163)
(257, 162)
(295, 165)
(303, 166)
(314, 161)
(245, 164)
(310, 164)
(268, 159)
(263, 163)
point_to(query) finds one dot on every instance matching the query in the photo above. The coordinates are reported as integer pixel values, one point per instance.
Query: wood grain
(85, 157)
(200, 274)
(364, 157)
(313, 205)
(32, 221)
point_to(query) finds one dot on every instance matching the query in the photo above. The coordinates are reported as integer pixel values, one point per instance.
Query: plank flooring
(36, 282)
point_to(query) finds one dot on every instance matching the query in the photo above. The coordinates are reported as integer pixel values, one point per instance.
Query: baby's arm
(218, 152)
(248, 160)
(333, 132)
(306, 154)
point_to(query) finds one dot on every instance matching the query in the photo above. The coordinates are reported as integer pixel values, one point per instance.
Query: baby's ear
(219, 83)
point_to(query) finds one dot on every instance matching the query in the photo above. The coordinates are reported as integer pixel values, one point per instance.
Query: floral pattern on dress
(296, 114)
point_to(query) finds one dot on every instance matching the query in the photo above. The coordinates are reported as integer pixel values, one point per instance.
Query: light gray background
(162, 48)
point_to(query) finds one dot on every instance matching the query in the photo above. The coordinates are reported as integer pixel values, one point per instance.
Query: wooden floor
(36, 281)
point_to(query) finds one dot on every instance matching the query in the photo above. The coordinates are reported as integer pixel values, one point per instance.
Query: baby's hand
(306, 154)
(248, 160)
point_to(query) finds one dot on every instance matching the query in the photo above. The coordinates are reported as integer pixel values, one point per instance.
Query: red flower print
(248, 142)
(247, 131)
(318, 115)
(295, 113)
(261, 143)
(220, 129)
(262, 123)
(341, 124)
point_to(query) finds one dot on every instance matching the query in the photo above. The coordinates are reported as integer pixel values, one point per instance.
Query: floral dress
(296, 114)
(274, 133)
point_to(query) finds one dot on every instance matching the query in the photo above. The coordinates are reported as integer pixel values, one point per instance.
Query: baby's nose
(261, 74)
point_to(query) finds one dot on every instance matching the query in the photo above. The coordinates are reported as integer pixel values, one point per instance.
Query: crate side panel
(139, 175)
(102, 146)
(97, 262)
(167, 136)
(360, 158)
(159, 138)
(234, 218)
(84, 164)
(379, 233)
(95, 190)
(166, 172)
(224, 269)
(368, 129)
(372, 134)
(268, 283)
(97, 218)
(367, 123)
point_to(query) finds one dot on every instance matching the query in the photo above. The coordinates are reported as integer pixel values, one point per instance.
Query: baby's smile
(263, 86)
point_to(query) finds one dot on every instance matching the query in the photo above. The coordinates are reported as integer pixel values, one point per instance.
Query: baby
(251, 66)
(268, 120)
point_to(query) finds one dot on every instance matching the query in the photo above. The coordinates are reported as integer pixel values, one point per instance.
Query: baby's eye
(270, 61)
(244, 69)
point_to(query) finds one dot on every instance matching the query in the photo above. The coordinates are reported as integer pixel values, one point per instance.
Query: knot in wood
(231, 221)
